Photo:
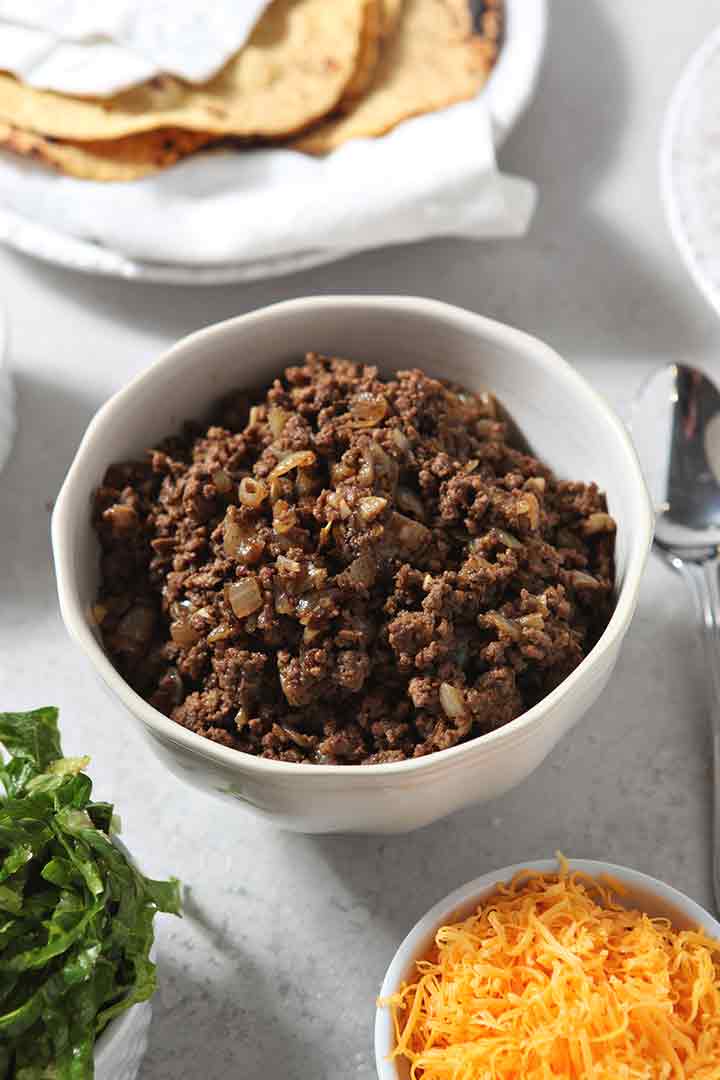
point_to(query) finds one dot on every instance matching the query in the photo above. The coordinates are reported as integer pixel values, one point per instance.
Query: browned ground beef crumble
(350, 570)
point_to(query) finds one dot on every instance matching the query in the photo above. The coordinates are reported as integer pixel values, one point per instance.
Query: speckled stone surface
(273, 972)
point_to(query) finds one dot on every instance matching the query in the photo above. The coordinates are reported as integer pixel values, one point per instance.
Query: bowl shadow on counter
(51, 418)
(576, 278)
(224, 1024)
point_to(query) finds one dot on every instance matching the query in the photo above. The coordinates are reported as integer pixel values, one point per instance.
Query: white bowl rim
(514, 77)
(118, 1030)
(515, 731)
(414, 940)
(693, 70)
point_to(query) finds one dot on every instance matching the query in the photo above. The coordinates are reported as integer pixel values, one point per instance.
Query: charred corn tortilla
(431, 61)
(390, 15)
(368, 54)
(129, 158)
(295, 68)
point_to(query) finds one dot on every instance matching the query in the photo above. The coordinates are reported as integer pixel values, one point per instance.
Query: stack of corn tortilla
(313, 75)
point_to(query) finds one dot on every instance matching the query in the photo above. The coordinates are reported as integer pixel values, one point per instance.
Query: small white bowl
(569, 424)
(644, 892)
(121, 1047)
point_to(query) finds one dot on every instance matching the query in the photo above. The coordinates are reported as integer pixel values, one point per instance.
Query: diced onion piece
(244, 597)
(581, 580)
(222, 481)
(284, 517)
(304, 482)
(508, 539)
(252, 492)
(598, 523)
(325, 534)
(528, 504)
(401, 440)
(371, 507)
(287, 567)
(534, 620)
(504, 625)
(299, 459)
(452, 701)
(488, 404)
(220, 633)
(277, 419)
(368, 410)
(99, 612)
(183, 633)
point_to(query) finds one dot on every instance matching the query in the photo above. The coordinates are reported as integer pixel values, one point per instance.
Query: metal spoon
(676, 428)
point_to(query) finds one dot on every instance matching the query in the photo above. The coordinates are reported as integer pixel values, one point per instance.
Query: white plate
(690, 167)
(509, 90)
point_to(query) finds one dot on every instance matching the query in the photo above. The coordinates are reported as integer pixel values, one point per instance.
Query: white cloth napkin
(434, 175)
(79, 48)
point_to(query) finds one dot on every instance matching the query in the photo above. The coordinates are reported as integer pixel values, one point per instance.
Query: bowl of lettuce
(76, 918)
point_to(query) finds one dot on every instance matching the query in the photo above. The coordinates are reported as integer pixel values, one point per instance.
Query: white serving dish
(509, 90)
(689, 163)
(644, 892)
(121, 1047)
(569, 424)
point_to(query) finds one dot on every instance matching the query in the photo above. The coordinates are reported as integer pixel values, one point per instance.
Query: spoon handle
(703, 580)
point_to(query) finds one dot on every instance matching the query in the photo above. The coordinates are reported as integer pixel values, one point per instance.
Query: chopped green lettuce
(76, 917)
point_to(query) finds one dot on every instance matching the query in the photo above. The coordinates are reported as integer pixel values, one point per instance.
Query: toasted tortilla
(368, 55)
(391, 10)
(434, 59)
(295, 68)
(129, 158)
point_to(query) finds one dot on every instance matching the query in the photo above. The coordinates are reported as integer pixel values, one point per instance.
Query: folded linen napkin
(433, 175)
(100, 48)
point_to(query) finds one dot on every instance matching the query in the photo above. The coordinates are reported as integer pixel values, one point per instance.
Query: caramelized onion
(299, 459)
(252, 492)
(368, 410)
(183, 633)
(371, 507)
(504, 625)
(244, 597)
(452, 701)
(277, 419)
(222, 481)
(598, 523)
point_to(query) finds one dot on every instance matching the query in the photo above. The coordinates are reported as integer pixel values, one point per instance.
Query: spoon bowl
(676, 427)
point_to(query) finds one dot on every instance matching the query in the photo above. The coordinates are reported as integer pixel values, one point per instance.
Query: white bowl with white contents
(646, 893)
(567, 423)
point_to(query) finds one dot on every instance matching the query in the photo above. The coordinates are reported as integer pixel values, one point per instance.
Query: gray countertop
(273, 971)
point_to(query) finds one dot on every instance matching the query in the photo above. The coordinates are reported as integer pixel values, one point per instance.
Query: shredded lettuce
(76, 918)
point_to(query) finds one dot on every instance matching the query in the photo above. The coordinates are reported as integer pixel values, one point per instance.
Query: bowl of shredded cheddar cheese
(555, 969)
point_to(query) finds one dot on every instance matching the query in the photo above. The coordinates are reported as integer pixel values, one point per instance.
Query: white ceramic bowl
(122, 1045)
(644, 892)
(569, 424)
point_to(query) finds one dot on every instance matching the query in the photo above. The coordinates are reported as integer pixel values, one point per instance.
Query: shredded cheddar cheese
(551, 977)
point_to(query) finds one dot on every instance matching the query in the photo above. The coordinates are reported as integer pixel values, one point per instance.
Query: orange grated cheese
(551, 977)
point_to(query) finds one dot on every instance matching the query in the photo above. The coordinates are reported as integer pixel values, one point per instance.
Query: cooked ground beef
(349, 570)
